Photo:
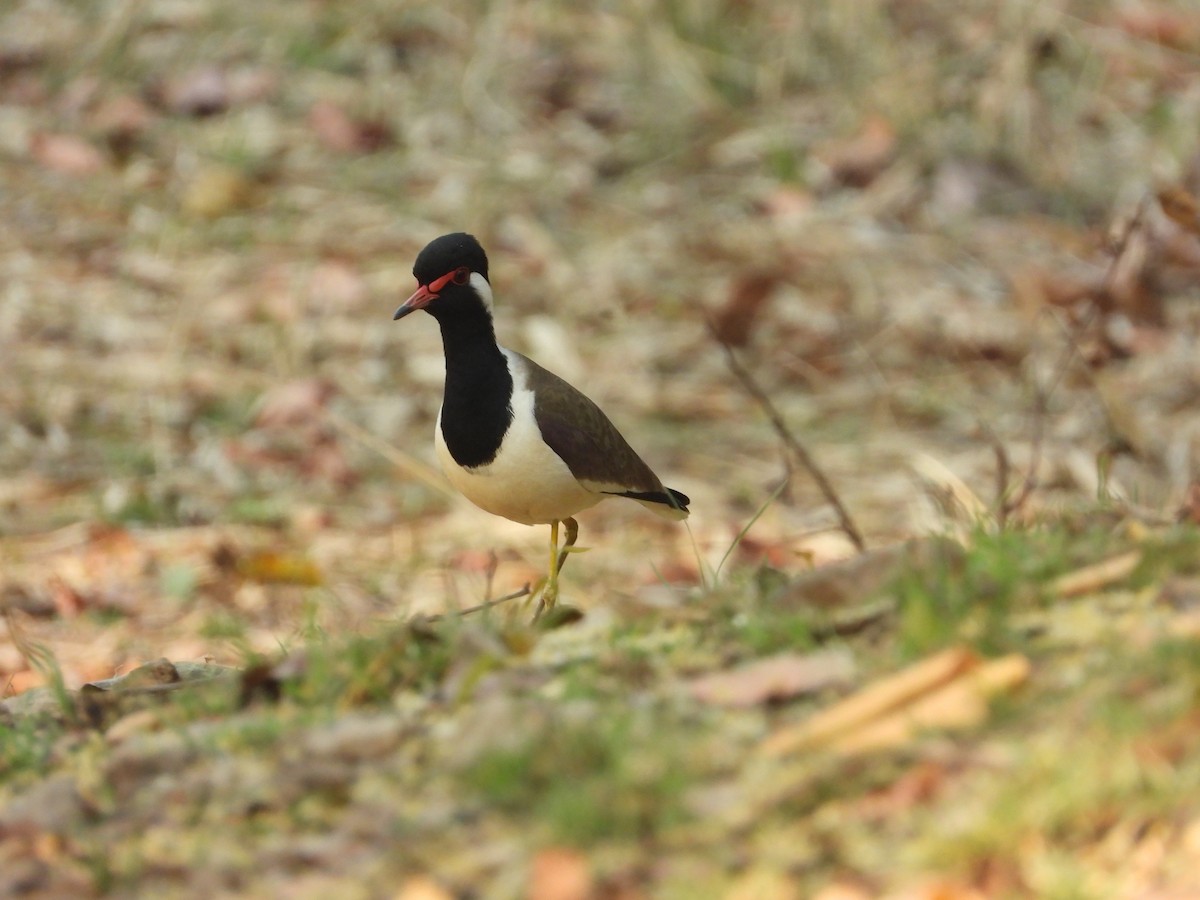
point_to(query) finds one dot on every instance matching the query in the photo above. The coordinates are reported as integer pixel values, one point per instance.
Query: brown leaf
(1131, 285)
(341, 133)
(270, 567)
(67, 601)
(333, 126)
(559, 873)
(1160, 24)
(1190, 510)
(747, 298)
(122, 120)
(1035, 287)
(292, 403)
(1180, 207)
(123, 114)
(860, 160)
(66, 153)
(774, 678)
(915, 787)
(327, 460)
(102, 572)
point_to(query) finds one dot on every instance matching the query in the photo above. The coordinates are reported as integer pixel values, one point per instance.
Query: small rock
(53, 804)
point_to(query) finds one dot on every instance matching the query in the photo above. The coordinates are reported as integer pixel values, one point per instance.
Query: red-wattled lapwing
(513, 438)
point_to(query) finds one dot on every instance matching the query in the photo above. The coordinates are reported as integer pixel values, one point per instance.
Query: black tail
(667, 502)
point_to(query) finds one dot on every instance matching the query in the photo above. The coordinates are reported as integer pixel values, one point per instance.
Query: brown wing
(582, 435)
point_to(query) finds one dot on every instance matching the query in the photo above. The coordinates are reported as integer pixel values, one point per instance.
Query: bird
(512, 437)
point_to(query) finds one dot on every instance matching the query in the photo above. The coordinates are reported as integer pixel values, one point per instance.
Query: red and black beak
(423, 296)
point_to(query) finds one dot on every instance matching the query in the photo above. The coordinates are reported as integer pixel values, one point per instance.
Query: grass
(583, 784)
(27, 749)
(627, 166)
(1111, 769)
(604, 752)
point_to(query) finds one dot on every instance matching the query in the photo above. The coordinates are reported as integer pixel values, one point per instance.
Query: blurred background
(955, 243)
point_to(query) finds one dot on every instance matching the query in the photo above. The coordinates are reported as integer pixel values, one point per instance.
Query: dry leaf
(774, 678)
(1098, 576)
(123, 114)
(859, 161)
(1189, 511)
(269, 567)
(217, 191)
(1131, 286)
(338, 131)
(559, 873)
(953, 497)
(422, 887)
(327, 460)
(917, 786)
(293, 403)
(66, 153)
(333, 126)
(1035, 287)
(1160, 24)
(747, 297)
(961, 704)
(101, 572)
(872, 701)
(68, 602)
(1180, 207)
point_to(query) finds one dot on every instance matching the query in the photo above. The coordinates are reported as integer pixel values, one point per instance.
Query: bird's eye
(461, 275)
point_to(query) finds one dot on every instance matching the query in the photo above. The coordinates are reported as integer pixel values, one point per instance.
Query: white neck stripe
(483, 289)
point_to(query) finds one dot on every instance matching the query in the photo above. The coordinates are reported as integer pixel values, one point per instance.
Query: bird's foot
(547, 598)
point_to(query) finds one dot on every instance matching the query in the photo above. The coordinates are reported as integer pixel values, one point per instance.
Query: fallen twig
(523, 591)
(1008, 505)
(805, 458)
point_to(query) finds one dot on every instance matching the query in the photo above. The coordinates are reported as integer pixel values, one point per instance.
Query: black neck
(476, 406)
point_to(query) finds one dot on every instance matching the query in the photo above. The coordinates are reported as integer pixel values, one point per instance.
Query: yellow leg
(558, 559)
(550, 591)
(572, 534)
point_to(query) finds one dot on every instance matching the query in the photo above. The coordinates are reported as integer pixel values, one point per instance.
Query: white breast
(527, 482)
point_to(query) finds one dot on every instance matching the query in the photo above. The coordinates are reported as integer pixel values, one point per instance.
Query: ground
(953, 250)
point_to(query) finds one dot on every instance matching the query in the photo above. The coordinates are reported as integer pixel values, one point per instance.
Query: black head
(443, 271)
(447, 253)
